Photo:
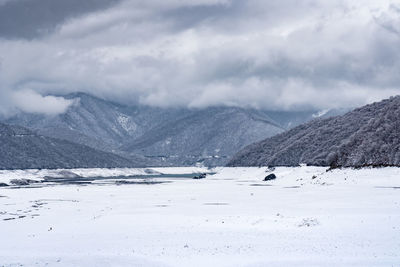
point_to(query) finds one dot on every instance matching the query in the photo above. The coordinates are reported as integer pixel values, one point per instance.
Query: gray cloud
(266, 54)
(33, 18)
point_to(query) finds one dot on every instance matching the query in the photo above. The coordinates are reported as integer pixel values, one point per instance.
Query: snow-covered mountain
(95, 122)
(208, 135)
(367, 136)
(21, 148)
(165, 136)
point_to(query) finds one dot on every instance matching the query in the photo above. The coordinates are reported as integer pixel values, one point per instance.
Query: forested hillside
(367, 136)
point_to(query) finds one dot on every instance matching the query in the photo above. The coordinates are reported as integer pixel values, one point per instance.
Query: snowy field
(140, 217)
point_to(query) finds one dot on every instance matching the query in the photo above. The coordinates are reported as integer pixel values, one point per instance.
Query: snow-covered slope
(209, 136)
(369, 135)
(92, 121)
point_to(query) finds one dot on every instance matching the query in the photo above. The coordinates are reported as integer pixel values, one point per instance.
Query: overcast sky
(283, 54)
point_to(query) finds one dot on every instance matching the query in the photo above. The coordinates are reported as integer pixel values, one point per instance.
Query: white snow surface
(126, 123)
(305, 217)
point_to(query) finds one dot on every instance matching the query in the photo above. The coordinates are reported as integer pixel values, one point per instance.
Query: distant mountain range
(20, 148)
(367, 136)
(162, 136)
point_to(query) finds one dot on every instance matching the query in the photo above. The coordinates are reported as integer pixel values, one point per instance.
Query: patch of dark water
(146, 179)
(124, 182)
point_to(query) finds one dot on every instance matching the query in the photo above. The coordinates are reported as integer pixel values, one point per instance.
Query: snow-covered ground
(306, 217)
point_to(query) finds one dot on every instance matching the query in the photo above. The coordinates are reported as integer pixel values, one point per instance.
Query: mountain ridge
(208, 136)
(366, 136)
(21, 148)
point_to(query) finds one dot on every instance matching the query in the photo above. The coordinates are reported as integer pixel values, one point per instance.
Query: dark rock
(3, 184)
(270, 177)
(23, 181)
(201, 176)
(150, 171)
(120, 182)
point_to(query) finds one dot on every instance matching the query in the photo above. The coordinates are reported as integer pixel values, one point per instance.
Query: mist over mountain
(366, 136)
(21, 148)
(162, 136)
(93, 121)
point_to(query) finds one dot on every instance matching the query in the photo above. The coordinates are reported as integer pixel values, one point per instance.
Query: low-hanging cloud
(31, 102)
(265, 54)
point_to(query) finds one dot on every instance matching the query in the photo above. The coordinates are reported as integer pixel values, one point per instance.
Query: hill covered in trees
(367, 136)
